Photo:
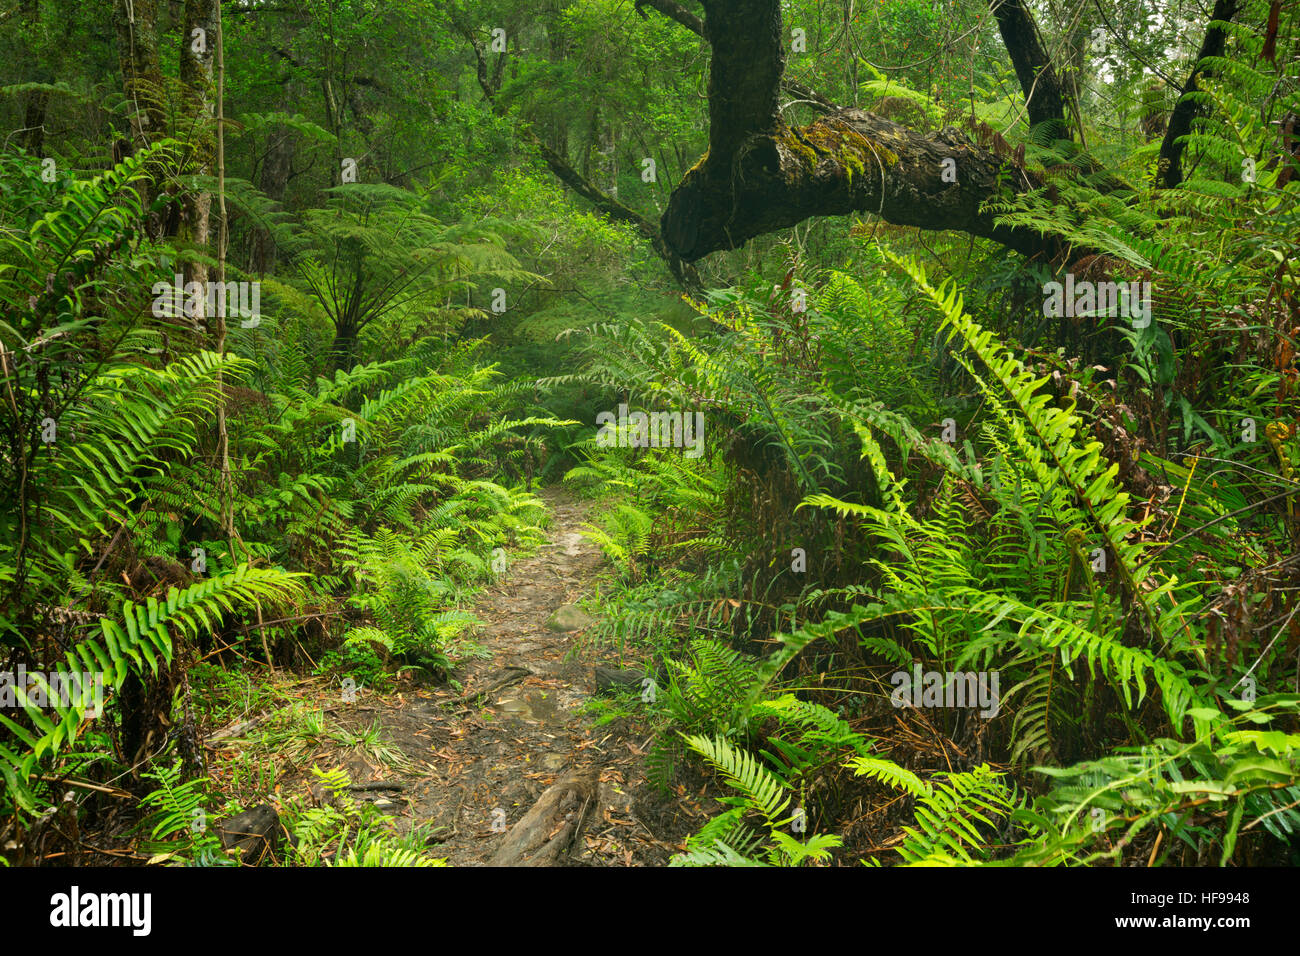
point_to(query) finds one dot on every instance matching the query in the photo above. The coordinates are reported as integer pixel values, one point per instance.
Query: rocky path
(510, 770)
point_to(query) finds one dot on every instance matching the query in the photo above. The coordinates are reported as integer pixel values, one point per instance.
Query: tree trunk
(136, 22)
(273, 180)
(198, 41)
(1170, 168)
(344, 348)
(1045, 96)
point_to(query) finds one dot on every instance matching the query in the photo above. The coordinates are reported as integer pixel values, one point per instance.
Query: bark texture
(1170, 168)
(848, 161)
(761, 175)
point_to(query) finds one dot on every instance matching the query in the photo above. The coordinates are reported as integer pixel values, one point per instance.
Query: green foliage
(1107, 532)
(726, 840)
(345, 832)
(948, 827)
(112, 471)
(1243, 767)
(177, 824)
(1017, 551)
(374, 252)
(623, 534)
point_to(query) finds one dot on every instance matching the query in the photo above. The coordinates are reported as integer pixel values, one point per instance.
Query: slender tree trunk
(33, 137)
(136, 25)
(273, 181)
(35, 66)
(223, 238)
(198, 42)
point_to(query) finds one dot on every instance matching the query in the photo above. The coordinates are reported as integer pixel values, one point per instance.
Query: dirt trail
(483, 761)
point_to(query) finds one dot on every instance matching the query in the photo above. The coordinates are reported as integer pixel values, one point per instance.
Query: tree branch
(685, 273)
(673, 11)
(848, 161)
(761, 175)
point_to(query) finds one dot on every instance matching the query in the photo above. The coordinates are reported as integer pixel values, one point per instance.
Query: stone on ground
(569, 617)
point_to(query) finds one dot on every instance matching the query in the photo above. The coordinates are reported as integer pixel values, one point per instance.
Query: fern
(177, 824)
(141, 638)
(724, 841)
(958, 819)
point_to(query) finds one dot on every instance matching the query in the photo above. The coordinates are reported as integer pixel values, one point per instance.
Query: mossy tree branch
(761, 175)
(848, 161)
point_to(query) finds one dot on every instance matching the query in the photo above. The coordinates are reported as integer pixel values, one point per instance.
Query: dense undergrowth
(894, 477)
(895, 488)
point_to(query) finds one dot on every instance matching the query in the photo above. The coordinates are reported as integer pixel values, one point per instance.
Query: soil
(483, 754)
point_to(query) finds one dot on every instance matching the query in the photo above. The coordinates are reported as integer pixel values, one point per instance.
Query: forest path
(483, 761)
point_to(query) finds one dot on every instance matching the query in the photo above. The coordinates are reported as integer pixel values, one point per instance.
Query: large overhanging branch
(611, 207)
(761, 175)
(848, 161)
